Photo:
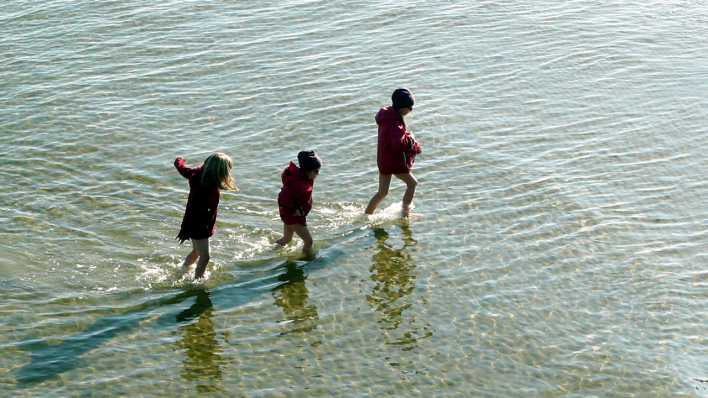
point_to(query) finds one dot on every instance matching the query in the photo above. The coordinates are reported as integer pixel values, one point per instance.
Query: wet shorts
(288, 218)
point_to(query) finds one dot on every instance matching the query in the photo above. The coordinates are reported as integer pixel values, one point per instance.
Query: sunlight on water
(556, 248)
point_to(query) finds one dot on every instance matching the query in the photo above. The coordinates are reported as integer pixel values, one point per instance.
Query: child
(205, 183)
(397, 149)
(295, 198)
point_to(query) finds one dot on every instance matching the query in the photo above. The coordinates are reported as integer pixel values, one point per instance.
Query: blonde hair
(217, 172)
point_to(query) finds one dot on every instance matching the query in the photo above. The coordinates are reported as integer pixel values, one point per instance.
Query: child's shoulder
(196, 172)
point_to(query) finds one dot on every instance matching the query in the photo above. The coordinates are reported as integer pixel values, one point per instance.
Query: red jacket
(200, 215)
(396, 148)
(296, 193)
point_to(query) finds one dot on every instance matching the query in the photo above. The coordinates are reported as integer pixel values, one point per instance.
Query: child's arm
(302, 201)
(402, 140)
(181, 166)
(410, 144)
(399, 139)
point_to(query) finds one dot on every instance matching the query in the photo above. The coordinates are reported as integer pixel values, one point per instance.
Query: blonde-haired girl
(198, 223)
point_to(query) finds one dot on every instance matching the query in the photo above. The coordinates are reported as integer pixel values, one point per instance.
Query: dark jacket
(200, 214)
(296, 193)
(396, 146)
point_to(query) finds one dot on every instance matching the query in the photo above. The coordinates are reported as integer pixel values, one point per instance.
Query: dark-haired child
(396, 150)
(295, 198)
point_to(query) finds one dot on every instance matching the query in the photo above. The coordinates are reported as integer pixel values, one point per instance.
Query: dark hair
(402, 98)
(309, 160)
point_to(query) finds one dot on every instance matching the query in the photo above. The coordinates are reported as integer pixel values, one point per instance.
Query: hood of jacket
(388, 115)
(292, 174)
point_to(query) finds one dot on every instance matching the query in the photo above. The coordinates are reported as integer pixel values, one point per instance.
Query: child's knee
(382, 193)
(412, 183)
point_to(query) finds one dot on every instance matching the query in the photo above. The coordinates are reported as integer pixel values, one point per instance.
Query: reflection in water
(292, 296)
(393, 272)
(202, 359)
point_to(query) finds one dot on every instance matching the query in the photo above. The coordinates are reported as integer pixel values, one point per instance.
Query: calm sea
(559, 248)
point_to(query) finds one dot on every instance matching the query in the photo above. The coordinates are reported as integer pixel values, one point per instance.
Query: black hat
(309, 160)
(402, 98)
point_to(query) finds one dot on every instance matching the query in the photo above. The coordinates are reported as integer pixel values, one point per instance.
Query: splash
(336, 215)
(247, 248)
(248, 244)
(160, 275)
(393, 213)
(154, 271)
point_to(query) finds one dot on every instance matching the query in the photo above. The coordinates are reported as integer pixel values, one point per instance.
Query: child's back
(295, 196)
(199, 219)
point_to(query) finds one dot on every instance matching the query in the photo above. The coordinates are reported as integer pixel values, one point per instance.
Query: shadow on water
(49, 360)
(393, 272)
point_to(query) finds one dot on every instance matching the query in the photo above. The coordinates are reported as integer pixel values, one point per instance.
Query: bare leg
(411, 183)
(287, 235)
(384, 183)
(202, 246)
(190, 259)
(304, 233)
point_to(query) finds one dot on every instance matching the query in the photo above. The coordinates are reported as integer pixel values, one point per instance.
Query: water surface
(560, 249)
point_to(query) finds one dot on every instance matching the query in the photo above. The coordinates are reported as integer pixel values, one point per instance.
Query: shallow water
(561, 240)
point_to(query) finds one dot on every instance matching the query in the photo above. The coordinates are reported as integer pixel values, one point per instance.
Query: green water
(559, 251)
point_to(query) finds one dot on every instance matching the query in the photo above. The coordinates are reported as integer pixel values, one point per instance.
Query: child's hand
(411, 145)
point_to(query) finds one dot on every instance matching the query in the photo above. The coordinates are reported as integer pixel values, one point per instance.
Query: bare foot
(187, 268)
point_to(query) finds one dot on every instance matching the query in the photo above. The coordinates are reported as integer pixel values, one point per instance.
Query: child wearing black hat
(295, 198)
(396, 150)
